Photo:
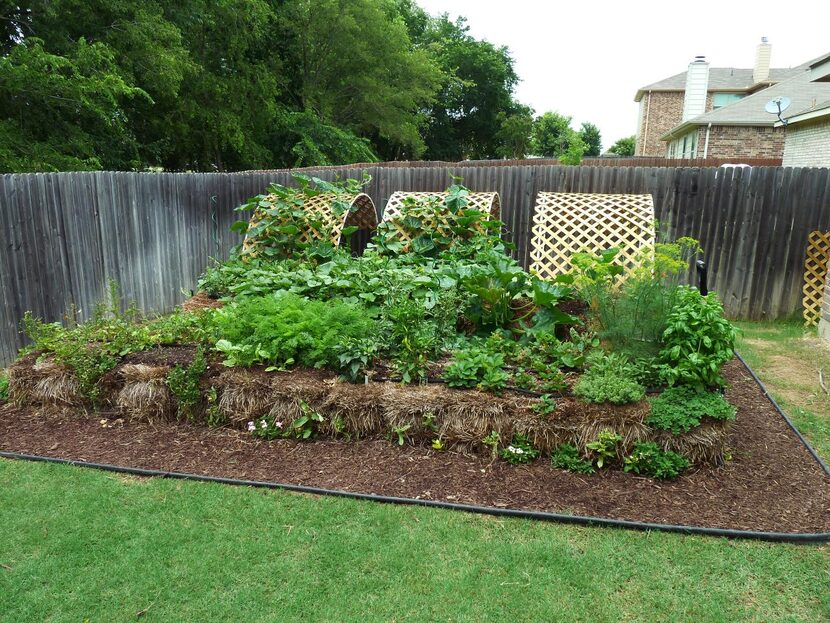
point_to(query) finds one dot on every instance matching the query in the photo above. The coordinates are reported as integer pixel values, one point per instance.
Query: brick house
(807, 141)
(719, 112)
(666, 104)
(743, 128)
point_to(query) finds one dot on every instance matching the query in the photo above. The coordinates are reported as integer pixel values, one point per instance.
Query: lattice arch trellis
(815, 274)
(567, 223)
(361, 214)
(487, 202)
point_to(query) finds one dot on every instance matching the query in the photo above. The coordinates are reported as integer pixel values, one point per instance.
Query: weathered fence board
(63, 236)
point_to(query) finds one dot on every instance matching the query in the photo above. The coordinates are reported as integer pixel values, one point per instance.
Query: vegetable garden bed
(431, 367)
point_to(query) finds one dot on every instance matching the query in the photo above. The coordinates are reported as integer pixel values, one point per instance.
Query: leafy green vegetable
(567, 457)
(647, 458)
(284, 329)
(680, 409)
(610, 378)
(697, 341)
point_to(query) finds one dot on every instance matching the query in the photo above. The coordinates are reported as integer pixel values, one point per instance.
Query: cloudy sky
(587, 59)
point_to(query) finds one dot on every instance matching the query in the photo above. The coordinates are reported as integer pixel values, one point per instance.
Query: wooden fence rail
(63, 236)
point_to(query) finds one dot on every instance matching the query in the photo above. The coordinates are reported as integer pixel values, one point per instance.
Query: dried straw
(43, 383)
(145, 395)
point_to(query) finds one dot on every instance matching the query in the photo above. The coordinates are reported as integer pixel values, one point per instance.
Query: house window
(719, 100)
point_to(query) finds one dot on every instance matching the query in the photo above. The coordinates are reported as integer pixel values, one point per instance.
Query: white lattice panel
(567, 223)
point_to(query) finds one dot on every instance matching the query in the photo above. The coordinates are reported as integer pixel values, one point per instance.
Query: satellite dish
(778, 105)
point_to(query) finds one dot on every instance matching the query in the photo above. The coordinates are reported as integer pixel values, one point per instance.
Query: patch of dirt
(771, 484)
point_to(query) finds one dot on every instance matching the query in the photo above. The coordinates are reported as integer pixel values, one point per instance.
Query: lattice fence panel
(567, 223)
(815, 275)
(361, 213)
(489, 203)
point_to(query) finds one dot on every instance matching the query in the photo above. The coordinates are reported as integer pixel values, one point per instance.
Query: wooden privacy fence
(64, 235)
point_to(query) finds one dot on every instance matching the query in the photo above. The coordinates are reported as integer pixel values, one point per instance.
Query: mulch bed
(771, 484)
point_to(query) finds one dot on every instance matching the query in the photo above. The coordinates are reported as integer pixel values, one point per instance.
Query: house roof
(801, 88)
(819, 110)
(720, 79)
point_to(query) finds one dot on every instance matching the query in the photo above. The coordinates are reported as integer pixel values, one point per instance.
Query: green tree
(514, 133)
(623, 147)
(356, 68)
(553, 137)
(64, 113)
(589, 133)
(477, 85)
(236, 84)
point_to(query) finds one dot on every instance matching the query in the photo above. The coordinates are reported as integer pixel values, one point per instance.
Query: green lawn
(787, 359)
(78, 545)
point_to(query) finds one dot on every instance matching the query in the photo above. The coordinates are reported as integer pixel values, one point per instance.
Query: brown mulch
(771, 484)
(201, 300)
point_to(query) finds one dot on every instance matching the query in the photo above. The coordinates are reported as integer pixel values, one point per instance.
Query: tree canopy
(589, 133)
(243, 84)
(553, 137)
(623, 147)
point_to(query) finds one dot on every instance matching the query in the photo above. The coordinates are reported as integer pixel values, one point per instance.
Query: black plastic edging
(780, 537)
(784, 415)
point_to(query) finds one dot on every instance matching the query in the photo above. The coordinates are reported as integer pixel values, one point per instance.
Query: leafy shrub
(522, 379)
(609, 378)
(647, 458)
(4, 387)
(183, 383)
(567, 457)
(680, 409)
(569, 354)
(356, 357)
(477, 367)
(285, 329)
(604, 448)
(593, 273)
(633, 314)
(519, 451)
(698, 340)
(93, 348)
(552, 380)
(413, 334)
(545, 405)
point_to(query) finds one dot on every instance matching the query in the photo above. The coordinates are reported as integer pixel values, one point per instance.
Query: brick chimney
(697, 83)
(762, 59)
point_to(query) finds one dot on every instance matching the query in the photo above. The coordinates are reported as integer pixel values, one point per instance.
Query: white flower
(251, 427)
(278, 424)
(263, 424)
(515, 450)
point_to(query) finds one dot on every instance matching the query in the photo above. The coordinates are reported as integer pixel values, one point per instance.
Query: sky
(587, 59)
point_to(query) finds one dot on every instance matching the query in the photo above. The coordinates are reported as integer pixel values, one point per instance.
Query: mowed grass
(81, 545)
(787, 358)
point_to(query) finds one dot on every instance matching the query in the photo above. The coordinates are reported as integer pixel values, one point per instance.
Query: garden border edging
(783, 537)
